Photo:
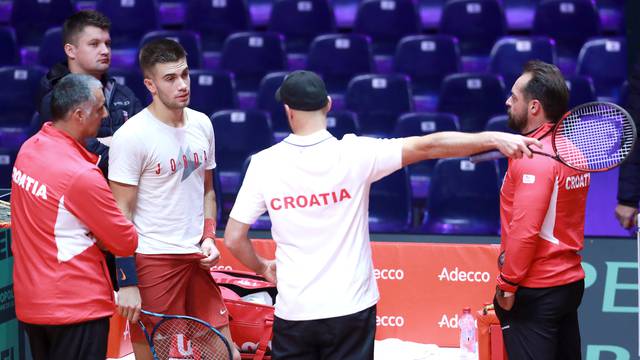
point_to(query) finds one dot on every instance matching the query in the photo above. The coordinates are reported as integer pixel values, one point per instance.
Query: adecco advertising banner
(423, 287)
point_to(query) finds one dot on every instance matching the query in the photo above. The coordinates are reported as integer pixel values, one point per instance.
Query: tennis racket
(592, 137)
(185, 337)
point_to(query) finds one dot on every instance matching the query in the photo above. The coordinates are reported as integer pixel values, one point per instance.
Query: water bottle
(468, 340)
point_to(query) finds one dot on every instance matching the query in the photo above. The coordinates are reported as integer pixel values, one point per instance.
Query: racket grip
(486, 156)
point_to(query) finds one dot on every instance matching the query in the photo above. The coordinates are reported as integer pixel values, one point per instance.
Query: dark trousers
(543, 323)
(82, 341)
(340, 338)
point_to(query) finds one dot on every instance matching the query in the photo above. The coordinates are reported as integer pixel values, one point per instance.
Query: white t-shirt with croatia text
(168, 165)
(316, 190)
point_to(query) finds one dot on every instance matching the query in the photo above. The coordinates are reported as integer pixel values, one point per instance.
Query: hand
(210, 253)
(269, 271)
(626, 215)
(129, 303)
(505, 302)
(514, 146)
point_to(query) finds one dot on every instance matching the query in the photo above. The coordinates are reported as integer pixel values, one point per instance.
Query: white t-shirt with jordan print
(168, 165)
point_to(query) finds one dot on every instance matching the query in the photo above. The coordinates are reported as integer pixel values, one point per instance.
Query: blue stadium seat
(134, 80)
(7, 159)
(427, 59)
(605, 61)
(476, 23)
(217, 19)
(9, 53)
(238, 135)
(19, 86)
(520, 13)
(581, 90)
(473, 97)
(386, 22)
(390, 204)
(500, 123)
(251, 55)
(51, 49)
(419, 124)
(569, 22)
(339, 57)
(342, 122)
(463, 198)
(611, 15)
(189, 40)
(379, 100)
(212, 90)
(31, 18)
(509, 55)
(130, 20)
(260, 12)
(266, 101)
(300, 21)
(430, 13)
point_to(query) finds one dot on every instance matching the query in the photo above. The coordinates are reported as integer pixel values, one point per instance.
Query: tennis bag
(251, 323)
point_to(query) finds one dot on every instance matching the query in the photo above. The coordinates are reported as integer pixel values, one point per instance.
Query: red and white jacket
(60, 206)
(542, 210)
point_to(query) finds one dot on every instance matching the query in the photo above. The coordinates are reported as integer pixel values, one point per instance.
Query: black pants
(543, 323)
(82, 341)
(341, 338)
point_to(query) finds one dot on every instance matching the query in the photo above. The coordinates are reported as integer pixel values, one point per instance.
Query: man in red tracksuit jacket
(63, 214)
(541, 281)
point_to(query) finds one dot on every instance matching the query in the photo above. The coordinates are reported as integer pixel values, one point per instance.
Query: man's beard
(515, 122)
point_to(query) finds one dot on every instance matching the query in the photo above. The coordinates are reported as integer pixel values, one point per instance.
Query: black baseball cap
(303, 90)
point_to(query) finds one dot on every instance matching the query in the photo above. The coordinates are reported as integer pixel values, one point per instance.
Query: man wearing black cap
(316, 190)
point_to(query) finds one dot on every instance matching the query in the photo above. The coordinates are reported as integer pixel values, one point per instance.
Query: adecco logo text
(464, 276)
(388, 274)
(390, 321)
(222, 268)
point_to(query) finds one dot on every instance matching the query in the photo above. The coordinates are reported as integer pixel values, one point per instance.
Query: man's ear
(70, 51)
(534, 107)
(150, 86)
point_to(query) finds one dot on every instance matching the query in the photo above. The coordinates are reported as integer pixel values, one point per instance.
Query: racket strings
(595, 137)
(188, 340)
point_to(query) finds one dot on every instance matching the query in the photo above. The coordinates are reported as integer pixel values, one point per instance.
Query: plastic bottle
(468, 337)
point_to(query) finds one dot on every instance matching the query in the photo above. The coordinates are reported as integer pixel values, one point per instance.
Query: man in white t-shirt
(161, 165)
(316, 190)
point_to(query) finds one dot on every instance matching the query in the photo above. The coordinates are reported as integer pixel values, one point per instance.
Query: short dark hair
(548, 86)
(70, 92)
(160, 51)
(76, 23)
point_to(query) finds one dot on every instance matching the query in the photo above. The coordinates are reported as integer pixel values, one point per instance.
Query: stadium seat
(463, 198)
(7, 159)
(342, 122)
(427, 59)
(419, 124)
(474, 98)
(509, 55)
(345, 11)
(386, 22)
(430, 13)
(300, 21)
(605, 61)
(581, 90)
(476, 23)
(238, 134)
(390, 204)
(251, 55)
(9, 53)
(32, 18)
(130, 20)
(260, 11)
(519, 14)
(611, 14)
(134, 80)
(189, 40)
(19, 87)
(212, 90)
(216, 19)
(500, 123)
(339, 57)
(51, 49)
(379, 100)
(569, 22)
(266, 101)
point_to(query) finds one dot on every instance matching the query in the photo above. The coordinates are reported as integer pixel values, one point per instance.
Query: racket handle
(486, 156)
